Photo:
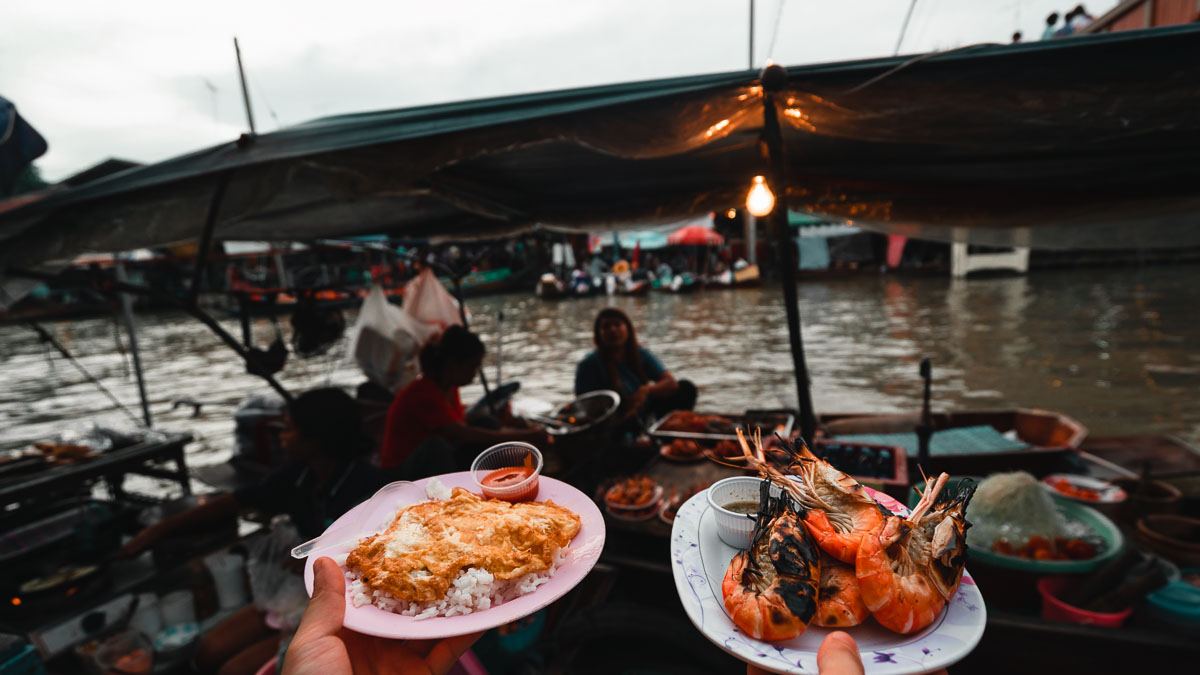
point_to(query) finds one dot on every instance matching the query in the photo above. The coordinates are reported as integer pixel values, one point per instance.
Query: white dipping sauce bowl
(735, 529)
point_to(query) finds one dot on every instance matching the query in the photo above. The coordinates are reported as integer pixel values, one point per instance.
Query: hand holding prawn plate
(703, 564)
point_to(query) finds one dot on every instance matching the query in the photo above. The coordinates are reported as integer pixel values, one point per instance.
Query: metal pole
(751, 66)
(499, 348)
(281, 270)
(131, 329)
(751, 227)
(925, 427)
(904, 27)
(210, 223)
(462, 314)
(774, 78)
(245, 92)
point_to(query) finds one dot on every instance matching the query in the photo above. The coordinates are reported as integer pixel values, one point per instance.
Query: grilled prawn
(838, 511)
(839, 601)
(912, 566)
(770, 589)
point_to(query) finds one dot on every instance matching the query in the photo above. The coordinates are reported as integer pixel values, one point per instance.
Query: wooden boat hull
(1050, 435)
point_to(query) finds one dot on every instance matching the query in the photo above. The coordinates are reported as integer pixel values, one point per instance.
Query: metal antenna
(212, 92)
(246, 92)
(751, 66)
(904, 28)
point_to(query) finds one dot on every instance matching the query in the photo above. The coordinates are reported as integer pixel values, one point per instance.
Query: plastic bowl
(734, 529)
(502, 459)
(1176, 538)
(1054, 609)
(1175, 607)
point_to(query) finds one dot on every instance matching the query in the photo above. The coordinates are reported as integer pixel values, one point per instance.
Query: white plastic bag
(387, 340)
(427, 301)
(274, 586)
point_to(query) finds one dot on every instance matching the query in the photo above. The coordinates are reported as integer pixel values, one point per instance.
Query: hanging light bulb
(760, 201)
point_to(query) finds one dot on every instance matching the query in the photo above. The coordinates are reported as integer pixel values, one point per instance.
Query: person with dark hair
(426, 431)
(326, 475)
(1081, 20)
(1016, 37)
(1066, 30)
(1051, 20)
(619, 363)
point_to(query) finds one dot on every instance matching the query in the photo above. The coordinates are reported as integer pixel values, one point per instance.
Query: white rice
(472, 590)
(435, 489)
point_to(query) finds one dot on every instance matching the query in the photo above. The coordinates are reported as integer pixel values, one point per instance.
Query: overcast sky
(146, 79)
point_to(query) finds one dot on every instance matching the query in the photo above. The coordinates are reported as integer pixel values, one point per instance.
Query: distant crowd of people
(1073, 23)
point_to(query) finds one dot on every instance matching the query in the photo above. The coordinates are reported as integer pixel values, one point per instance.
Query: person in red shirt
(426, 431)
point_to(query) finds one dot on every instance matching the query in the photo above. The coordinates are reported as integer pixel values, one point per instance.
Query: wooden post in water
(774, 77)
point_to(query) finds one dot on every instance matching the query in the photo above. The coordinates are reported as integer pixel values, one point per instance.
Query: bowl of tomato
(508, 471)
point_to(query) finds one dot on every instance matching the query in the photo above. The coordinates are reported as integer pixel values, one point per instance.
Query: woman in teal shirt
(620, 364)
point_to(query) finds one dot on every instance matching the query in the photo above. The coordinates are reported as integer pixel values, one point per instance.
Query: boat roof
(1086, 142)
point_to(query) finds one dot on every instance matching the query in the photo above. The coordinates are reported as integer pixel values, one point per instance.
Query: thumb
(327, 607)
(838, 655)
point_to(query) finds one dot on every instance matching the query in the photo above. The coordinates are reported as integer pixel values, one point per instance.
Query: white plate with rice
(476, 600)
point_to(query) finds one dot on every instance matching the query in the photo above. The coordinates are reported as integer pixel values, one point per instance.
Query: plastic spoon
(377, 514)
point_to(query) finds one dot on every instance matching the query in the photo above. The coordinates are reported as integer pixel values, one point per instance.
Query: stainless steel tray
(769, 421)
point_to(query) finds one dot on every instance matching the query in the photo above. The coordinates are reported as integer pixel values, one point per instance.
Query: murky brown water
(1118, 350)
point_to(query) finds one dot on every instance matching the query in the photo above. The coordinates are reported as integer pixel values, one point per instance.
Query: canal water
(1119, 350)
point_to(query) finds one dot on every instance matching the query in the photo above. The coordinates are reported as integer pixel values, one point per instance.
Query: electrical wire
(912, 62)
(775, 31)
(262, 94)
(48, 338)
(925, 13)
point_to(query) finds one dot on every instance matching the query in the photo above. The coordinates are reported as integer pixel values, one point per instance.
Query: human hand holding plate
(322, 647)
(580, 556)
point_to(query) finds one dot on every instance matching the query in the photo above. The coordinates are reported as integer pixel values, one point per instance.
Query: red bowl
(1057, 610)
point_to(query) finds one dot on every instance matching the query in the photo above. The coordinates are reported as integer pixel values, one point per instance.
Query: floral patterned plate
(699, 559)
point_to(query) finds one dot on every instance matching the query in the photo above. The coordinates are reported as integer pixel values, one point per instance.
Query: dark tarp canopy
(1082, 142)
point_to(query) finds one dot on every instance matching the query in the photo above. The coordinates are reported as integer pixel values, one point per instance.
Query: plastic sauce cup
(508, 471)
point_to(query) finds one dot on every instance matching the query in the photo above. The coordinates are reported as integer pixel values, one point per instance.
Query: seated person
(426, 432)
(326, 475)
(620, 364)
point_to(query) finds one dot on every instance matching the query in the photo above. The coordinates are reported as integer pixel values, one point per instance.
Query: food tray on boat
(699, 559)
(699, 426)
(866, 462)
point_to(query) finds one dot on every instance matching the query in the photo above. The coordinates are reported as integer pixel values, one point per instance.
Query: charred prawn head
(947, 537)
(770, 589)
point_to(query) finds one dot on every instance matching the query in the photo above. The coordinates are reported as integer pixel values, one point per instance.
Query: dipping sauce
(748, 508)
(499, 484)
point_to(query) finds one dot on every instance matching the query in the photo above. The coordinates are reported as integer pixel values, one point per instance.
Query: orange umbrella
(695, 235)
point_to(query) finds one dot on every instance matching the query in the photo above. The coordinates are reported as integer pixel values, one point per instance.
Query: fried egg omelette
(429, 543)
